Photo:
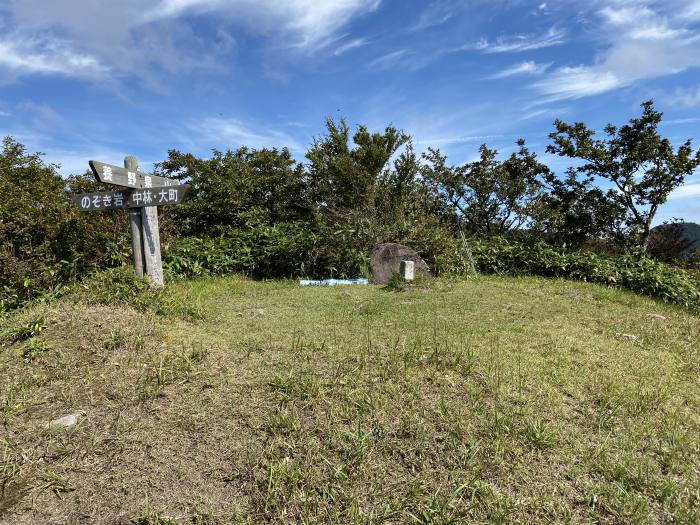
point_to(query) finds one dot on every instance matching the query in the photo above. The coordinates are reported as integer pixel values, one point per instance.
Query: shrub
(263, 251)
(45, 242)
(637, 273)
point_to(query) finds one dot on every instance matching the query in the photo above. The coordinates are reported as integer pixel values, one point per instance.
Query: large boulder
(386, 259)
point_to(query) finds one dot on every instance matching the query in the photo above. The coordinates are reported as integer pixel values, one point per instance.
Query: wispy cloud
(389, 60)
(434, 14)
(686, 98)
(148, 39)
(311, 22)
(519, 43)
(677, 121)
(641, 45)
(686, 191)
(32, 56)
(523, 68)
(229, 133)
(349, 46)
(436, 141)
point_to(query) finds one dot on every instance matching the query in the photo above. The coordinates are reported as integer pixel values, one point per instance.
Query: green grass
(495, 400)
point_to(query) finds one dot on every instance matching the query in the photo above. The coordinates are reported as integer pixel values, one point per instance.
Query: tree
(573, 212)
(489, 196)
(231, 188)
(642, 166)
(672, 241)
(346, 178)
(44, 240)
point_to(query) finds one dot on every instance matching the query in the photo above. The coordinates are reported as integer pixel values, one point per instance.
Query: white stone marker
(406, 270)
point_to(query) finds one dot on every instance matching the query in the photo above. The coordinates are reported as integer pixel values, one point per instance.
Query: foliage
(44, 241)
(231, 188)
(642, 165)
(573, 212)
(279, 251)
(491, 197)
(637, 273)
(673, 241)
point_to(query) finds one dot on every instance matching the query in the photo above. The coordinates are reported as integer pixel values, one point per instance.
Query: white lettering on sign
(163, 196)
(119, 199)
(107, 173)
(172, 195)
(136, 197)
(147, 197)
(131, 177)
(85, 202)
(107, 200)
(148, 183)
(96, 201)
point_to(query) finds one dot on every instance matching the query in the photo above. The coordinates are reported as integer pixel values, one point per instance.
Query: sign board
(131, 198)
(124, 177)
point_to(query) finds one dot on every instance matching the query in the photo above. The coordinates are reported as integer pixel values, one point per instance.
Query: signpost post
(142, 194)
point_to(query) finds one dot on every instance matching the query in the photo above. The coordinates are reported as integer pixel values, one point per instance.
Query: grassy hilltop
(494, 400)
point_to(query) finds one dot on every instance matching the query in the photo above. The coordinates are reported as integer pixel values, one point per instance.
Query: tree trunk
(646, 232)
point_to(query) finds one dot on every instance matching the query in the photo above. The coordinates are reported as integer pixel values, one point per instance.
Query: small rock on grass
(626, 336)
(67, 421)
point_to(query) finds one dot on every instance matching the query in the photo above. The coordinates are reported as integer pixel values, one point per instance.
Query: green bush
(45, 242)
(640, 274)
(266, 252)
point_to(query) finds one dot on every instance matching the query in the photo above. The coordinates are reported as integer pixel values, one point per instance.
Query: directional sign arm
(131, 198)
(130, 179)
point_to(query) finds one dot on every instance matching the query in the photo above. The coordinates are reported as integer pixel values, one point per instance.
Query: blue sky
(100, 79)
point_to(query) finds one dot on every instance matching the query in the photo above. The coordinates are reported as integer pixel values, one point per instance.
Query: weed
(55, 482)
(166, 369)
(151, 516)
(24, 331)
(33, 348)
(9, 466)
(536, 434)
(116, 340)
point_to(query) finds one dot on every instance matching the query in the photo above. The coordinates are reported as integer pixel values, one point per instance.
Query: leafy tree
(346, 178)
(672, 241)
(44, 240)
(235, 187)
(489, 196)
(642, 166)
(573, 212)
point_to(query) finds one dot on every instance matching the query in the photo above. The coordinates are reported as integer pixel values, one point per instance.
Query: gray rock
(386, 258)
(67, 421)
(626, 336)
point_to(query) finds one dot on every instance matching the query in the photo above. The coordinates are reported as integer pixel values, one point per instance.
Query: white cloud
(686, 191)
(389, 60)
(92, 38)
(435, 14)
(641, 45)
(350, 45)
(455, 140)
(21, 56)
(228, 133)
(677, 121)
(519, 43)
(311, 22)
(523, 68)
(687, 98)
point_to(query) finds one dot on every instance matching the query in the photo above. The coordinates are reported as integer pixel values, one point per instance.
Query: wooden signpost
(142, 194)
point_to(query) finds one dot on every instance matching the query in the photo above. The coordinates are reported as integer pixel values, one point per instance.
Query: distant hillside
(669, 241)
